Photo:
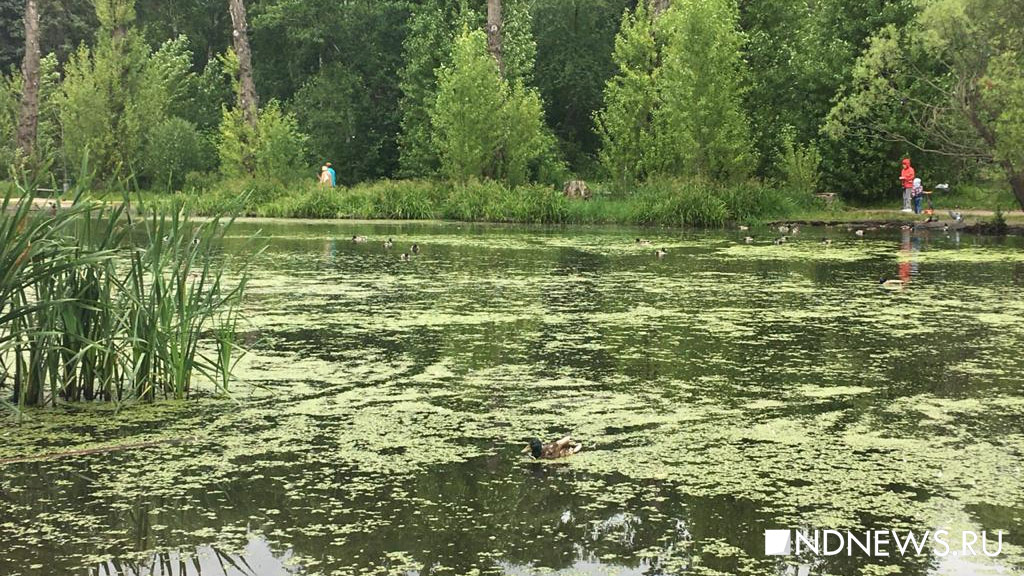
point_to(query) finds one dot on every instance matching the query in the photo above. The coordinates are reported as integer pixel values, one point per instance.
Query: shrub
(274, 149)
(800, 165)
(173, 149)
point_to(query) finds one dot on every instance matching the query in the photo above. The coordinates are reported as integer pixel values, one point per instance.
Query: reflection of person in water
(909, 245)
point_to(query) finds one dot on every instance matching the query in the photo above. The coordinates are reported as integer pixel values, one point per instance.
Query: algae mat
(721, 391)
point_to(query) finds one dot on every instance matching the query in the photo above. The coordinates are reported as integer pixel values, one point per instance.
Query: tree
(337, 67)
(248, 101)
(625, 124)
(700, 126)
(575, 39)
(426, 49)
(29, 116)
(113, 95)
(483, 127)
(467, 127)
(948, 84)
(494, 33)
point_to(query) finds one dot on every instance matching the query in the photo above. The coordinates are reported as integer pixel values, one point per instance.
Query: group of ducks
(389, 244)
(660, 252)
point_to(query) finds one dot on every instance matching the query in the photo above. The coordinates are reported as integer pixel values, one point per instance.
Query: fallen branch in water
(101, 450)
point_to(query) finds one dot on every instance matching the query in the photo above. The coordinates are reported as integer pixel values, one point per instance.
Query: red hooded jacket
(908, 174)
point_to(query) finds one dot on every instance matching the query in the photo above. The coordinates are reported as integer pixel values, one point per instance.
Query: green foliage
(519, 49)
(174, 148)
(426, 48)
(115, 94)
(334, 108)
(947, 82)
(10, 90)
(701, 129)
(575, 39)
(336, 66)
(624, 124)
(799, 164)
(274, 149)
(483, 128)
(99, 307)
(665, 113)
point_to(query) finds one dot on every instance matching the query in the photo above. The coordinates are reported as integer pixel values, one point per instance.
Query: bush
(800, 165)
(173, 149)
(274, 149)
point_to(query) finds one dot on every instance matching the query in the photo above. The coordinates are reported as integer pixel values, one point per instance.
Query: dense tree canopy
(711, 89)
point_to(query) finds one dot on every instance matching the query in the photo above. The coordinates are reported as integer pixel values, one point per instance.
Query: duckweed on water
(717, 394)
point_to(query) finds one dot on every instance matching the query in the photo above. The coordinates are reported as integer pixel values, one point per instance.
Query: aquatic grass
(663, 202)
(98, 305)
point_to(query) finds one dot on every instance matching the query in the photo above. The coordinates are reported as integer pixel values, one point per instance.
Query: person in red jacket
(907, 178)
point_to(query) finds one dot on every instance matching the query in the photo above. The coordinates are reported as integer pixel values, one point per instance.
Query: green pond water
(721, 391)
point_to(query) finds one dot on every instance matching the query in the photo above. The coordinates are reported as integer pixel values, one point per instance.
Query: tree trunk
(658, 6)
(494, 32)
(1016, 183)
(247, 99)
(29, 116)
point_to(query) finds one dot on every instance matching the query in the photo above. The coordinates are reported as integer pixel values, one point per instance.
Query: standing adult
(334, 175)
(907, 179)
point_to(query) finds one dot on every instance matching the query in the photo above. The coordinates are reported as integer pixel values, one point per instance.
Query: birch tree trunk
(29, 115)
(247, 99)
(494, 32)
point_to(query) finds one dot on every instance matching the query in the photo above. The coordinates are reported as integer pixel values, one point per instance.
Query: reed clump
(100, 304)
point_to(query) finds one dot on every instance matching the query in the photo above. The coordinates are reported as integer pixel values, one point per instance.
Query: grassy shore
(666, 203)
(662, 203)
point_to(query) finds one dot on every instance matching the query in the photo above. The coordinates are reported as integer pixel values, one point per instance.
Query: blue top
(334, 176)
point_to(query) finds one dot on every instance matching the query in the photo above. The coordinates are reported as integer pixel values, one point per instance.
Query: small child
(917, 194)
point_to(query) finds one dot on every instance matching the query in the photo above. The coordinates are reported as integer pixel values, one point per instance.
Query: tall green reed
(98, 305)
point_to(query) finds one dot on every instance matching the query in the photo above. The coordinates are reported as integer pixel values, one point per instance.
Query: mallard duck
(858, 232)
(643, 242)
(389, 243)
(748, 239)
(779, 241)
(892, 283)
(415, 249)
(956, 216)
(552, 450)
(661, 252)
(405, 256)
(794, 230)
(359, 239)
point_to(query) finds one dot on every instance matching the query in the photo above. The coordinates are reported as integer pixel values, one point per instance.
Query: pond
(721, 391)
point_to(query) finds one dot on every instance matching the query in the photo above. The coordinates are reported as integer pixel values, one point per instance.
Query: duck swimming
(661, 252)
(643, 242)
(859, 232)
(405, 256)
(389, 243)
(748, 239)
(552, 450)
(359, 239)
(415, 249)
(891, 283)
